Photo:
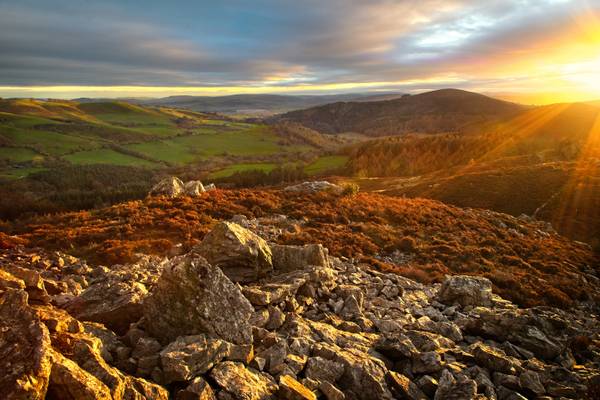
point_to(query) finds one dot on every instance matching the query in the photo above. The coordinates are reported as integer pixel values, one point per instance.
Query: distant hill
(446, 110)
(258, 104)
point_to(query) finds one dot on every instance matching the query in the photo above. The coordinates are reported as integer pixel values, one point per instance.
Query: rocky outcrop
(174, 187)
(304, 325)
(242, 255)
(193, 188)
(170, 187)
(315, 187)
(193, 297)
(466, 291)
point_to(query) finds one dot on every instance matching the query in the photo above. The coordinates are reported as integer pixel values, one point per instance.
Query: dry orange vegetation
(526, 265)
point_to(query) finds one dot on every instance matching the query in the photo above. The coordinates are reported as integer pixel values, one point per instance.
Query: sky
(532, 51)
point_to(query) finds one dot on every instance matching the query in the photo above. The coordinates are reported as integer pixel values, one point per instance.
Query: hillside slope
(422, 239)
(440, 111)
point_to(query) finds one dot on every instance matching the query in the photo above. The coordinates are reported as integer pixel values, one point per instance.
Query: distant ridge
(259, 103)
(445, 110)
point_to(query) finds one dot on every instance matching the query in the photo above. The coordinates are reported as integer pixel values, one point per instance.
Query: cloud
(278, 42)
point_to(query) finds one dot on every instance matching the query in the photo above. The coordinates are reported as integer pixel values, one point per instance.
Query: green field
(232, 169)
(326, 163)
(36, 133)
(107, 156)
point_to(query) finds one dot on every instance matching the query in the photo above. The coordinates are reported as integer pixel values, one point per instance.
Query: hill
(418, 238)
(258, 104)
(440, 111)
(43, 139)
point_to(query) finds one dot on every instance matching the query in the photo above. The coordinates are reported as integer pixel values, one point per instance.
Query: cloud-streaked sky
(530, 50)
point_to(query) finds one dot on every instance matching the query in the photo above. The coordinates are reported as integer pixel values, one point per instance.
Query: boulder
(198, 389)
(25, 352)
(190, 356)
(242, 383)
(193, 188)
(193, 297)
(493, 359)
(451, 388)
(315, 187)
(242, 255)
(68, 381)
(402, 387)
(291, 389)
(115, 299)
(466, 291)
(291, 258)
(170, 187)
(113, 303)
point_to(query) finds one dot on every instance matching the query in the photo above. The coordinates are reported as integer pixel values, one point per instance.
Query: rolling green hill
(37, 135)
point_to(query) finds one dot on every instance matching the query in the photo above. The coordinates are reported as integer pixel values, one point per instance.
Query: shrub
(350, 189)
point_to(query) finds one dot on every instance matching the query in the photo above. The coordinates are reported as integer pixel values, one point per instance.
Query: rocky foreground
(242, 318)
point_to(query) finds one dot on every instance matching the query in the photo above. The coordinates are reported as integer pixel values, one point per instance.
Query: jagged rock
(68, 381)
(528, 328)
(198, 389)
(404, 388)
(530, 380)
(25, 354)
(428, 385)
(451, 388)
(291, 389)
(190, 356)
(34, 284)
(193, 188)
(466, 291)
(493, 359)
(242, 383)
(116, 298)
(193, 297)
(242, 255)
(363, 377)
(291, 258)
(171, 187)
(321, 369)
(113, 303)
(314, 187)
(427, 362)
(330, 391)
(396, 347)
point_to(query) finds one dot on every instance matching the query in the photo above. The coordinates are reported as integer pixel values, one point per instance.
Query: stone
(451, 388)
(25, 352)
(321, 369)
(193, 188)
(330, 391)
(198, 389)
(242, 255)
(428, 385)
(193, 297)
(170, 187)
(190, 356)
(242, 383)
(291, 389)
(493, 359)
(68, 381)
(315, 187)
(427, 362)
(466, 291)
(402, 387)
(530, 381)
(396, 347)
(290, 258)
